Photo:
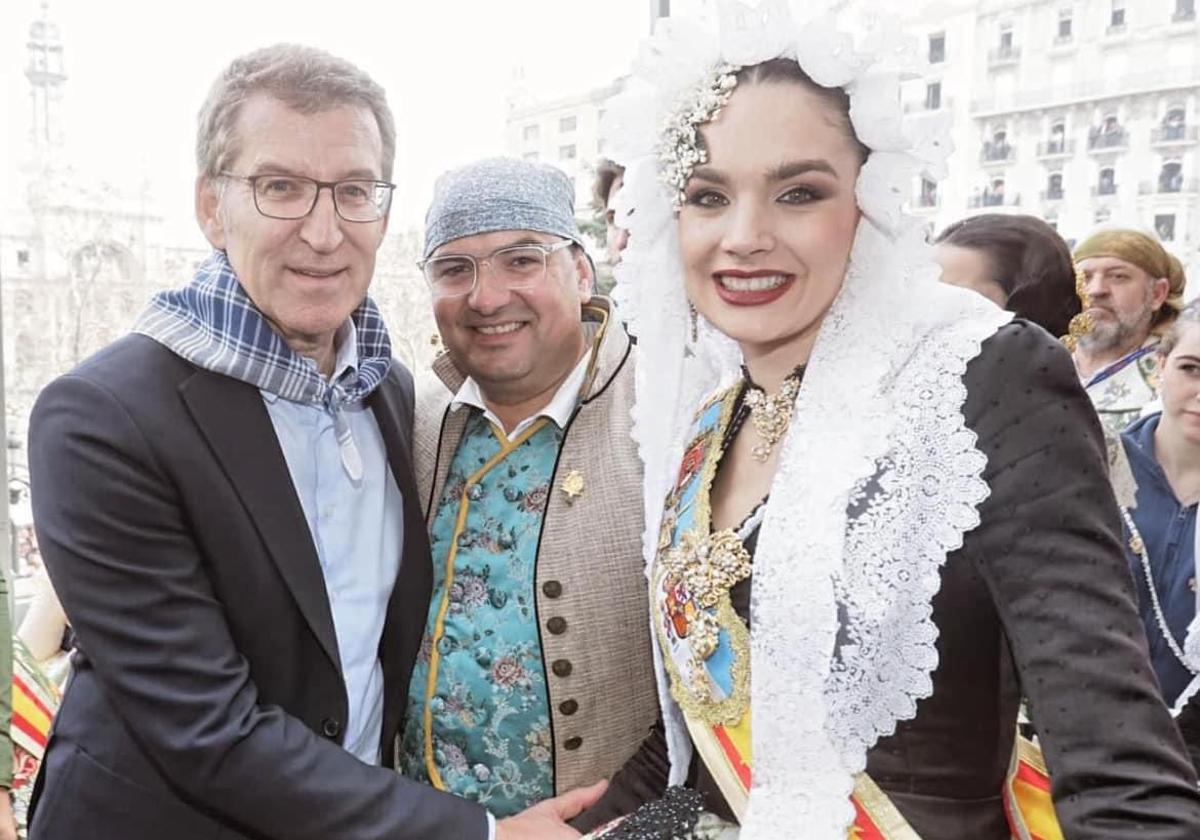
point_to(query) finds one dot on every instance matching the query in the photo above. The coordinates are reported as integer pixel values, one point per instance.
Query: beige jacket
(590, 585)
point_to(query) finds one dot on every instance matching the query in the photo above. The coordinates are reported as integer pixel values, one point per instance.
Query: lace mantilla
(879, 477)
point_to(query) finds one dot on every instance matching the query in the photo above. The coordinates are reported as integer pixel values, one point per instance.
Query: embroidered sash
(705, 647)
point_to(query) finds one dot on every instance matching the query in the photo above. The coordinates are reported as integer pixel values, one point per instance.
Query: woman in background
(1018, 262)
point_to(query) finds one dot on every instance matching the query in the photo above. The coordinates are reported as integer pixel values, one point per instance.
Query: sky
(139, 70)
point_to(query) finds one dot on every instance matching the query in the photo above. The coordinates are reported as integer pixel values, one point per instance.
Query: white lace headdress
(879, 477)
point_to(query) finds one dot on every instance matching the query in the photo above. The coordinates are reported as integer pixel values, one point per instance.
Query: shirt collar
(345, 342)
(559, 408)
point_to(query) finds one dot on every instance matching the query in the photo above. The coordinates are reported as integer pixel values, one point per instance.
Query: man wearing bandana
(534, 674)
(225, 504)
(1133, 290)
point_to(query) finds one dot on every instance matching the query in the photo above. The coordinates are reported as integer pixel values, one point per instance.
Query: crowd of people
(781, 541)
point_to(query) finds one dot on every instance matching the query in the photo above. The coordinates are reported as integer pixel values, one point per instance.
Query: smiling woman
(857, 479)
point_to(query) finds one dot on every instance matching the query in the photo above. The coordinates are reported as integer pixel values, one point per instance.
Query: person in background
(1018, 262)
(1163, 452)
(1133, 290)
(610, 177)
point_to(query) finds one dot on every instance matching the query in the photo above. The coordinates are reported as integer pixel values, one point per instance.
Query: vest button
(561, 667)
(330, 728)
(557, 625)
(552, 589)
(573, 743)
(568, 707)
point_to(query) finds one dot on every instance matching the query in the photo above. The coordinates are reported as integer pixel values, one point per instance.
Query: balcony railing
(1095, 86)
(999, 56)
(1101, 190)
(1183, 15)
(1099, 141)
(1052, 195)
(997, 153)
(1166, 134)
(1056, 148)
(991, 199)
(1168, 186)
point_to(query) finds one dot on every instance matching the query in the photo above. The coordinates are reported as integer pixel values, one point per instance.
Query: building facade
(1083, 113)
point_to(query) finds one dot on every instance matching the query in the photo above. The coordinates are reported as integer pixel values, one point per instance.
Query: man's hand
(8, 822)
(548, 820)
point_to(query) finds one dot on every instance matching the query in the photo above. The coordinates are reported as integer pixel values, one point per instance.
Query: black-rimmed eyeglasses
(516, 266)
(294, 196)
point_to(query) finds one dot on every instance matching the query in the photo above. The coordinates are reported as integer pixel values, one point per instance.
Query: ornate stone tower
(46, 75)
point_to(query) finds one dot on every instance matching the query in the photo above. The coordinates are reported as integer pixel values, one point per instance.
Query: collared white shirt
(357, 528)
(559, 409)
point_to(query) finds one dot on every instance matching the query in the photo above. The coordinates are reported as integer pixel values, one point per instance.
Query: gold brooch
(572, 485)
(708, 566)
(1081, 323)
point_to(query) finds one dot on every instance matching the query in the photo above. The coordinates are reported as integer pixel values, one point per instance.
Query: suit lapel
(234, 421)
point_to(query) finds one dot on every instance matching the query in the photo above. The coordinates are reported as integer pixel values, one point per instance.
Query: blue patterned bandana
(213, 324)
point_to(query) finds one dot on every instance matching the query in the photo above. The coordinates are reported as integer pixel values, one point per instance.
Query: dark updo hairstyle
(788, 70)
(1030, 262)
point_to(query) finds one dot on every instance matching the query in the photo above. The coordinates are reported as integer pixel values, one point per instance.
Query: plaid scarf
(213, 324)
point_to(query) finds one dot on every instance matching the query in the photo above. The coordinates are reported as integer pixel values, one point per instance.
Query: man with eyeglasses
(225, 503)
(535, 670)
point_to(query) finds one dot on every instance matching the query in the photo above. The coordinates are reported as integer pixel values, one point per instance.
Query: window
(566, 152)
(1184, 10)
(566, 124)
(23, 257)
(937, 48)
(530, 132)
(929, 196)
(1164, 226)
(1058, 138)
(1054, 187)
(993, 196)
(933, 96)
(1107, 185)
(1117, 20)
(1006, 39)
(1064, 26)
(997, 148)
(1174, 124)
(1103, 214)
(1170, 177)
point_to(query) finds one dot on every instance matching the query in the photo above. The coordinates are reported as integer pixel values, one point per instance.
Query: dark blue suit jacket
(207, 699)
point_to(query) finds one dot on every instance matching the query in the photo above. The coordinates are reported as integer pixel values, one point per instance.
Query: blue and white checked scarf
(213, 324)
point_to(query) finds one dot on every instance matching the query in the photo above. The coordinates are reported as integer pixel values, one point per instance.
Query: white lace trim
(879, 477)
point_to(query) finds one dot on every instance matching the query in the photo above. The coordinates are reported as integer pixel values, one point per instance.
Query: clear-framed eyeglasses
(518, 267)
(294, 196)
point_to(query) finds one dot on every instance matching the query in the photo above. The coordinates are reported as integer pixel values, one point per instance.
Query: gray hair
(306, 79)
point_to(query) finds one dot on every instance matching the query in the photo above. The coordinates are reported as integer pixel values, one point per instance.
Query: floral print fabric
(490, 732)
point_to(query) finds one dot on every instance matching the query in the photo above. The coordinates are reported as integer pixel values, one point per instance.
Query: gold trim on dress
(695, 697)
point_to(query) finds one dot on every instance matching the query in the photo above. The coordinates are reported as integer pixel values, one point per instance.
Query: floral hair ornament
(681, 150)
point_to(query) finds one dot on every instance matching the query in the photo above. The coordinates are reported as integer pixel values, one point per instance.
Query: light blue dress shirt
(357, 527)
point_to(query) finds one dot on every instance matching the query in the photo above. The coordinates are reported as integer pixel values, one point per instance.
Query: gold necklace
(772, 414)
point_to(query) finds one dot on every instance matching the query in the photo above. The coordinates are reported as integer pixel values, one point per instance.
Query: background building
(1081, 112)
(1084, 113)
